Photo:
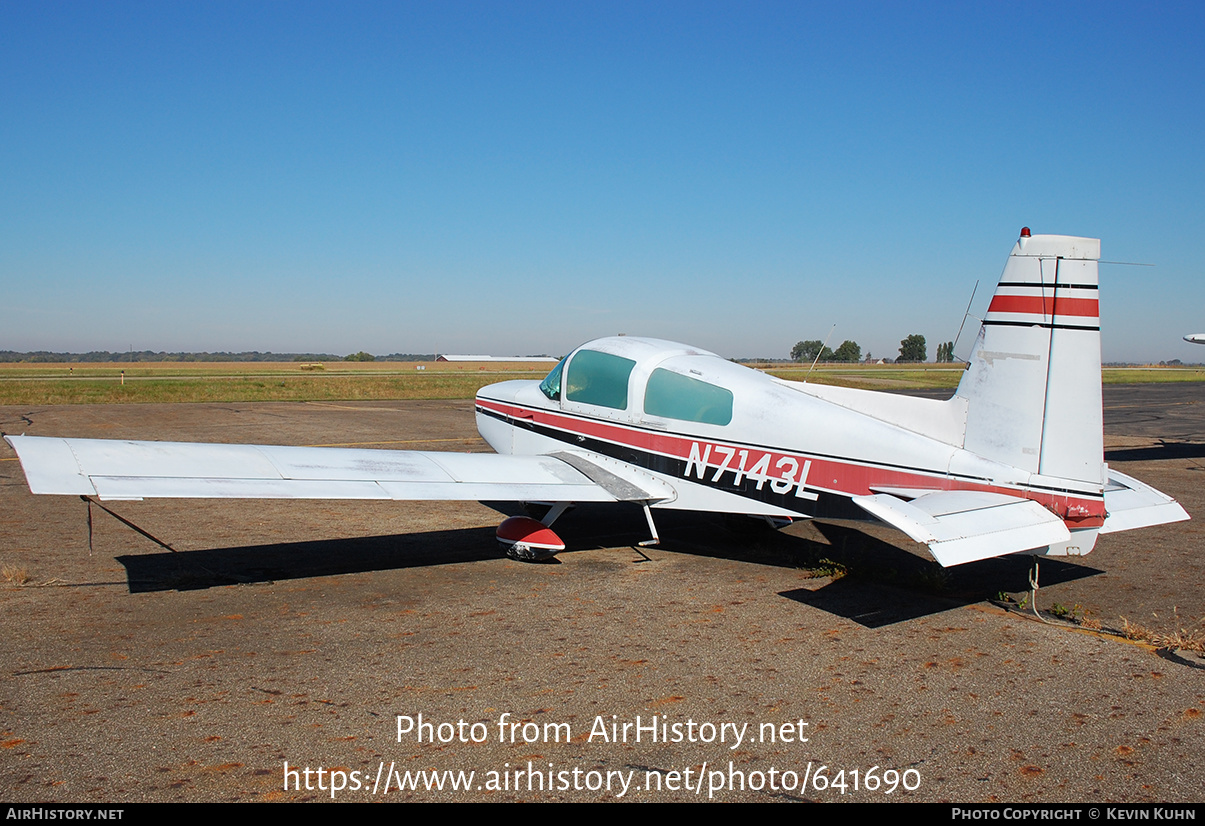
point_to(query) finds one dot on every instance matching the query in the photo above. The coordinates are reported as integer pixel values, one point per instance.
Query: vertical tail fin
(1033, 385)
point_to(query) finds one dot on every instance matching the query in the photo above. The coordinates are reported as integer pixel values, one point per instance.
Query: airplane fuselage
(796, 455)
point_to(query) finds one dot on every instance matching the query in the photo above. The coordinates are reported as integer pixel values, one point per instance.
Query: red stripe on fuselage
(840, 476)
(1046, 306)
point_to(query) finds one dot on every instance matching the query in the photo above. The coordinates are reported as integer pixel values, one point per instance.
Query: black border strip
(1060, 285)
(1042, 324)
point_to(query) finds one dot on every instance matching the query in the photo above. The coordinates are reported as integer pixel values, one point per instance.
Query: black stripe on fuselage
(831, 505)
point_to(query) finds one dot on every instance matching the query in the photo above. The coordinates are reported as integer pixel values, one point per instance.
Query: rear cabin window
(599, 378)
(675, 396)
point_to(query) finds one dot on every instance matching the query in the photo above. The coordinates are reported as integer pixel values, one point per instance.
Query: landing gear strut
(532, 540)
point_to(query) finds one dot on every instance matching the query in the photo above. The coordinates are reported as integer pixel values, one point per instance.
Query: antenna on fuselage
(820, 352)
(966, 313)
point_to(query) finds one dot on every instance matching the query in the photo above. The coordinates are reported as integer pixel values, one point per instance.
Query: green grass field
(157, 382)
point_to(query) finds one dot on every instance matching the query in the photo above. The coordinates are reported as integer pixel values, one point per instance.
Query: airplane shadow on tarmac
(1154, 453)
(886, 585)
(872, 582)
(214, 567)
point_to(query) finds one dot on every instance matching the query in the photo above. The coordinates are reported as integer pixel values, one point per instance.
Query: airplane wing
(966, 526)
(114, 469)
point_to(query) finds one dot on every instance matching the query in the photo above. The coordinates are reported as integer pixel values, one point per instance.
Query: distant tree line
(148, 355)
(807, 351)
(913, 349)
(45, 356)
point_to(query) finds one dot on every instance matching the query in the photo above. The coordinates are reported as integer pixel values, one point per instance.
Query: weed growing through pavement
(14, 574)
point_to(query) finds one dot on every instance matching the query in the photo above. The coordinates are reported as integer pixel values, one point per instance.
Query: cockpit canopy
(645, 378)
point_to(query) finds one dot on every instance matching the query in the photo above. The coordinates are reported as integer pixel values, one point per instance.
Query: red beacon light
(1024, 232)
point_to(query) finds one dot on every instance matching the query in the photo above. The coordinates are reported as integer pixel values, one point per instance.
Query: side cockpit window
(551, 386)
(674, 396)
(599, 378)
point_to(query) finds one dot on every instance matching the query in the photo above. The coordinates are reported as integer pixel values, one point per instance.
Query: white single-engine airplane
(1013, 462)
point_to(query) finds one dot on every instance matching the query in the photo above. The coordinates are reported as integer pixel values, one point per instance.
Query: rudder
(1033, 384)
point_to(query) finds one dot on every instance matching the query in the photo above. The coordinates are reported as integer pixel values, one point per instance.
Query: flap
(965, 526)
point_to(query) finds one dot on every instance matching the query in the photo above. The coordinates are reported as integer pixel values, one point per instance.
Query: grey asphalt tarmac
(233, 646)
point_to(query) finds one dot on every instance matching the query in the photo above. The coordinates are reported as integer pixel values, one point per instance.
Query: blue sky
(516, 178)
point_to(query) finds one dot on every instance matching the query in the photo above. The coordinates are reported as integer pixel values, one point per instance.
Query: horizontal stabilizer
(113, 469)
(965, 526)
(1130, 504)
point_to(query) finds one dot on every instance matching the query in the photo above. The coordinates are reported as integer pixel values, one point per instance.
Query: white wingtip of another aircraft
(1195, 338)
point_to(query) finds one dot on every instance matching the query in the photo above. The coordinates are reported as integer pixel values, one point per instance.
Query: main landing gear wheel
(528, 540)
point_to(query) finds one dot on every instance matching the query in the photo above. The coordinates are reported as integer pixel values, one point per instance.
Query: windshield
(551, 386)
